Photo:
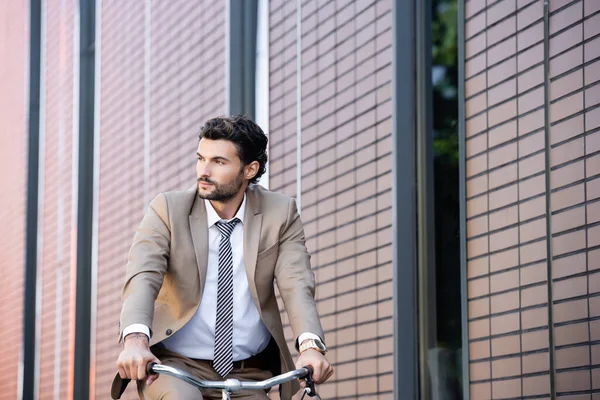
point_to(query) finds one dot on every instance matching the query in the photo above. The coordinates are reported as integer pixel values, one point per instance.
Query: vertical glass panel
(445, 358)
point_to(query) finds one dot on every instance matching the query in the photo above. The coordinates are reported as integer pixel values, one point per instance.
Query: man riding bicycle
(199, 291)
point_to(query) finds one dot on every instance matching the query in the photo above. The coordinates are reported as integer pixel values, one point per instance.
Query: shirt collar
(212, 217)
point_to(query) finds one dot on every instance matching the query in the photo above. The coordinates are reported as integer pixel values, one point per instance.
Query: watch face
(320, 345)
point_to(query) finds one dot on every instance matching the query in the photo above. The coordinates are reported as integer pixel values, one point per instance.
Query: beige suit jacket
(167, 264)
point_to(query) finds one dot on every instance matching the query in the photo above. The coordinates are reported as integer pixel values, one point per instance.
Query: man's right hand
(135, 357)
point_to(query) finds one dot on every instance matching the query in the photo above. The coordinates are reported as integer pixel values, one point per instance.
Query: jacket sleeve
(146, 266)
(295, 278)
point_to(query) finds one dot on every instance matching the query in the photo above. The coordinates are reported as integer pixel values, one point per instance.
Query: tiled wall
(510, 340)
(57, 226)
(14, 53)
(149, 120)
(346, 175)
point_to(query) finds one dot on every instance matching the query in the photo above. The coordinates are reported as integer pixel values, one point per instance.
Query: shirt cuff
(304, 336)
(136, 328)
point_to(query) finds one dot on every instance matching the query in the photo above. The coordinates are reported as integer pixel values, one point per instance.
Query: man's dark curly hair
(246, 135)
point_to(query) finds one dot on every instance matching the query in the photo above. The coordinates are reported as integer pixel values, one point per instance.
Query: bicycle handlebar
(235, 385)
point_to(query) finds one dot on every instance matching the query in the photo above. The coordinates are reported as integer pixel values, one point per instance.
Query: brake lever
(310, 385)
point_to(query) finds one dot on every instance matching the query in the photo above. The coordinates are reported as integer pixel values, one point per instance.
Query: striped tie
(223, 355)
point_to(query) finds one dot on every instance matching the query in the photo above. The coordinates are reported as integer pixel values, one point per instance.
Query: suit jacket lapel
(252, 227)
(199, 230)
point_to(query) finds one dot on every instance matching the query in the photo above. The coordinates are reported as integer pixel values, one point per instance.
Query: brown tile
(566, 107)
(500, 10)
(502, 197)
(477, 267)
(566, 61)
(533, 363)
(504, 302)
(531, 165)
(477, 185)
(594, 304)
(566, 266)
(504, 70)
(594, 283)
(505, 323)
(566, 175)
(531, 122)
(479, 371)
(591, 50)
(504, 260)
(502, 92)
(593, 189)
(478, 287)
(477, 165)
(536, 385)
(503, 176)
(590, 7)
(475, 25)
(476, 145)
(502, 133)
(504, 239)
(530, 57)
(568, 220)
(535, 295)
(506, 389)
(592, 143)
(528, 15)
(594, 236)
(475, 105)
(477, 247)
(568, 242)
(502, 155)
(593, 259)
(533, 252)
(479, 329)
(571, 334)
(592, 73)
(479, 349)
(501, 113)
(570, 311)
(566, 17)
(504, 281)
(476, 124)
(503, 218)
(591, 27)
(506, 367)
(569, 288)
(573, 381)
(567, 197)
(566, 84)
(477, 205)
(473, 7)
(534, 274)
(481, 391)
(477, 226)
(530, 37)
(506, 345)
(475, 85)
(475, 45)
(479, 308)
(592, 96)
(567, 152)
(530, 79)
(566, 39)
(532, 208)
(534, 318)
(566, 129)
(593, 212)
(535, 340)
(531, 100)
(532, 230)
(502, 30)
(502, 51)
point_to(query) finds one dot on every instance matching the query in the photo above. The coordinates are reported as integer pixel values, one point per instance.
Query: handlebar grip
(150, 368)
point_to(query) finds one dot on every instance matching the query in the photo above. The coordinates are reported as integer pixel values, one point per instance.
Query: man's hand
(135, 357)
(321, 367)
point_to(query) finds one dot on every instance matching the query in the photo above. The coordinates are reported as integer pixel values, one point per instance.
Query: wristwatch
(316, 344)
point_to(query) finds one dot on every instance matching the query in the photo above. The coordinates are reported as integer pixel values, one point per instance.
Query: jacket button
(169, 331)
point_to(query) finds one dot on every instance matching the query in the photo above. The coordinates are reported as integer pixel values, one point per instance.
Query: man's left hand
(322, 369)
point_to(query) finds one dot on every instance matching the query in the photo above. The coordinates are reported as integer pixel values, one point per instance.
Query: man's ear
(251, 170)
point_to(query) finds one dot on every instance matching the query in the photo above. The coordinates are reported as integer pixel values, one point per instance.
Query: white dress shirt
(196, 339)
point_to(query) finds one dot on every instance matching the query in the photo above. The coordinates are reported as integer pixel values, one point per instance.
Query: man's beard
(222, 193)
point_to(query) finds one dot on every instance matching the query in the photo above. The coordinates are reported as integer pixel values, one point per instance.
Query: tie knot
(227, 227)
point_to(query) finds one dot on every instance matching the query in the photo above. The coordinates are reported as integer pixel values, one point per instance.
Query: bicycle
(230, 386)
